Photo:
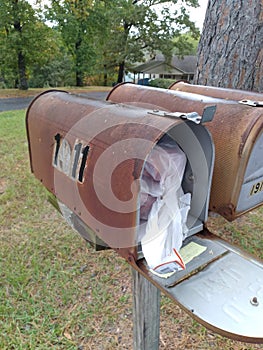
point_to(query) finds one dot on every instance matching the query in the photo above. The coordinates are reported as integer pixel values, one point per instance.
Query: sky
(198, 15)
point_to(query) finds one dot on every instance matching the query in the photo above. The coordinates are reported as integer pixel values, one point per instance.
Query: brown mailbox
(237, 131)
(91, 154)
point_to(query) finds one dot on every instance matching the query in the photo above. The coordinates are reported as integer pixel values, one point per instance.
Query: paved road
(9, 104)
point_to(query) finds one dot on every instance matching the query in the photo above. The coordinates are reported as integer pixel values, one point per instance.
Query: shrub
(161, 83)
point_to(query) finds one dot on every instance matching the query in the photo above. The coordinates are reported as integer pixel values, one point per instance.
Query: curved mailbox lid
(90, 155)
(216, 92)
(222, 287)
(235, 129)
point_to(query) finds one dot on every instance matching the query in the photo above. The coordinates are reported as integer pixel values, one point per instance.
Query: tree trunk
(105, 76)
(79, 75)
(79, 68)
(126, 27)
(230, 51)
(21, 60)
(23, 84)
(121, 72)
(79, 78)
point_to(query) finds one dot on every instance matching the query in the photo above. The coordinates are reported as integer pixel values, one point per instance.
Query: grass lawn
(56, 292)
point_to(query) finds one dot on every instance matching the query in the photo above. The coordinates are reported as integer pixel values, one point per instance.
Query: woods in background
(80, 42)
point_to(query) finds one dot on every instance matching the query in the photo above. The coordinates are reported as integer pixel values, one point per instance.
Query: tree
(15, 16)
(230, 52)
(24, 41)
(55, 68)
(148, 26)
(186, 44)
(102, 35)
(75, 20)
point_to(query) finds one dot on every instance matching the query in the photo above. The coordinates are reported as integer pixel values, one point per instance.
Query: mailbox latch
(252, 103)
(207, 116)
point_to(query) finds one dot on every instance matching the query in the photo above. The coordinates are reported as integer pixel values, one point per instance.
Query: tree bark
(230, 51)
(79, 68)
(105, 75)
(121, 72)
(21, 60)
(23, 84)
(126, 27)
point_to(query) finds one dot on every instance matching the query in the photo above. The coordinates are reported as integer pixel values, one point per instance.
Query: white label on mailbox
(70, 162)
(256, 188)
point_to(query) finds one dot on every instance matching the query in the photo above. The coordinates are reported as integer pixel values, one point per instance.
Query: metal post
(146, 313)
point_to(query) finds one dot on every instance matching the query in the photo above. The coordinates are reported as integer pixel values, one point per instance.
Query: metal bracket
(252, 103)
(207, 116)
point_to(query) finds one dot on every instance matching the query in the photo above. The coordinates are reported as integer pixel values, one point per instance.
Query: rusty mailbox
(134, 174)
(237, 131)
(91, 154)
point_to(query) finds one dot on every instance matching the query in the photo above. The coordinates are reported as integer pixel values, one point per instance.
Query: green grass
(51, 281)
(56, 292)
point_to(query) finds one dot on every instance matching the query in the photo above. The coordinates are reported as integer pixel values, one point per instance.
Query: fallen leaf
(2, 186)
(67, 335)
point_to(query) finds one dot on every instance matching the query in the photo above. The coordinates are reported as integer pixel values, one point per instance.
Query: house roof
(158, 65)
(187, 63)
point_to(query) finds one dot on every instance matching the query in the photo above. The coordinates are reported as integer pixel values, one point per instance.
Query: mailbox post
(146, 313)
(94, 159)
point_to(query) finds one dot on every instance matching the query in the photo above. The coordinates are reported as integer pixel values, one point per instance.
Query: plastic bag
(164, 206)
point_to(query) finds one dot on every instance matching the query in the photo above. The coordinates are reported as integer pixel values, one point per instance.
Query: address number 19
(256, 188)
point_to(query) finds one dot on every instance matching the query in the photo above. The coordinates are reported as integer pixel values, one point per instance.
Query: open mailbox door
(92, 157)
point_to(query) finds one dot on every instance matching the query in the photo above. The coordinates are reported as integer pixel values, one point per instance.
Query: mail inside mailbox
(163, 204)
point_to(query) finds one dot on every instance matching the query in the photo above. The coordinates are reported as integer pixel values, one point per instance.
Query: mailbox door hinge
(207, 116)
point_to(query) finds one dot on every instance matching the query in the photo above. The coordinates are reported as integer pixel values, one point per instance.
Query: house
(177, 69)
